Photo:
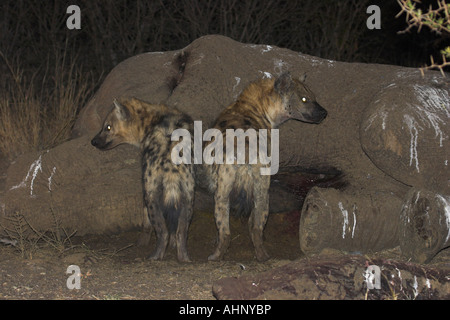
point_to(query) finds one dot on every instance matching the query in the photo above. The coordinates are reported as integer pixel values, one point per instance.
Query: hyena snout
(310, 112)
(95, 142)
(100, 143)
(317, 113)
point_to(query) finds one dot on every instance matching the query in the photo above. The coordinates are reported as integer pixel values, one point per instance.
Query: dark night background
(111, 31)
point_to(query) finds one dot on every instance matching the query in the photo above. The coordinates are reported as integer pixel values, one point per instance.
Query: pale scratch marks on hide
(35, 167)
(345, 224)
(50, 179)
(414, 132)
(434, 108)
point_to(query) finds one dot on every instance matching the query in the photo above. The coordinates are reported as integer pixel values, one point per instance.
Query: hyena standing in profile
(168, 187)
(264, 104)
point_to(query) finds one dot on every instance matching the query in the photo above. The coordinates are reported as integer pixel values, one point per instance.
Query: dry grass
(35, 118)
(20, 115)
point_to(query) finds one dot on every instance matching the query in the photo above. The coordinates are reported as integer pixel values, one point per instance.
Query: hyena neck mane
(145, 118)
(258, 104)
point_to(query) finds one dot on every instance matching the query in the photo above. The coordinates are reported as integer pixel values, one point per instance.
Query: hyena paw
(182, 255)
(154, 257)
(184, 259)
(216, 256)
(262, 255)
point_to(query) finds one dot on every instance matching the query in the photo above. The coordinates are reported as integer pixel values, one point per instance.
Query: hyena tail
(241, 196)
(173, 205)
(241, 202)
(171, 215)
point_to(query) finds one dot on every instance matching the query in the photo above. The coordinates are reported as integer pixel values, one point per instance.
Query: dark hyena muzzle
(310, 112)
(101, 142)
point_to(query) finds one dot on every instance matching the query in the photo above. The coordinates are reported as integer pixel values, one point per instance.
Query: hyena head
(118, 128)
(298, 101)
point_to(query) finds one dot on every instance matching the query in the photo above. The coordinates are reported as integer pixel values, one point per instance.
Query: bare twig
(437, 20)
(434, 65)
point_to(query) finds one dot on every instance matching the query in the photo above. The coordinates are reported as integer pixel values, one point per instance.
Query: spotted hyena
(264, 104)
(168, 187)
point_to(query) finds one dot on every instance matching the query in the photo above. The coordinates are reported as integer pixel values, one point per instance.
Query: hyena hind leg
(182, 234)
(222, 217)
(162, 234)
(256, 224)
(145, 236)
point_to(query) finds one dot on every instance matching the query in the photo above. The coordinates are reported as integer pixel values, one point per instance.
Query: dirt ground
(112, 267)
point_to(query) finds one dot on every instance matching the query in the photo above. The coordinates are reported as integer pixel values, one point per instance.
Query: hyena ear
(122, 112)
(283, 83)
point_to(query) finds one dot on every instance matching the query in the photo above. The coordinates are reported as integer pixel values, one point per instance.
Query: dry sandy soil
(112, 267)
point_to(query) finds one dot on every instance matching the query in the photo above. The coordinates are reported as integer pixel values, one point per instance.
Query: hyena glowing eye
(108, 128)
(304, 99)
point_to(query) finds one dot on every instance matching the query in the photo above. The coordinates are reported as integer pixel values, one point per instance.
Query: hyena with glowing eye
(264, 104)
(168, 187)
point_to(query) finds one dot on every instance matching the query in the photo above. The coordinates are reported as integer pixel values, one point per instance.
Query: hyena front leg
(259, 215)
(222, 213)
